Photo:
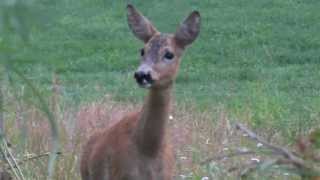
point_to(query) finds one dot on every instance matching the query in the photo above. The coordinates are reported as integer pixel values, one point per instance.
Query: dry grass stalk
(10, 159)
(307, 170)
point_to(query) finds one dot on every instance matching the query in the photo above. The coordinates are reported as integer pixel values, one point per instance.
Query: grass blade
(53, 124)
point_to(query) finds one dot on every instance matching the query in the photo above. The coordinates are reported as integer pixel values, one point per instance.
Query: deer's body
(116, 153)
(137, 148)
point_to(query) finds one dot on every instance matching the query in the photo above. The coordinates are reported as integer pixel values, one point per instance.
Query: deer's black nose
(143, 78)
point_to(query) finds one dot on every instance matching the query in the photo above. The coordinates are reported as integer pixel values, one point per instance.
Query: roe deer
(137, 148)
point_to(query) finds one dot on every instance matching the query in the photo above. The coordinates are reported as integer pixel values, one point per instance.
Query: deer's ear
(140, 25)
(189, 30)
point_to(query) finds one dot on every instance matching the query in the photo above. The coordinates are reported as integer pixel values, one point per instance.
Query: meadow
(255, 62)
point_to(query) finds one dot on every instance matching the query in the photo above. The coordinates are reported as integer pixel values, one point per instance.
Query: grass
(246, 49)
(258, 60)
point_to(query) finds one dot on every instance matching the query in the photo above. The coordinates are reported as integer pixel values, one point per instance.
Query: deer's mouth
(143, 79)
(144, 83)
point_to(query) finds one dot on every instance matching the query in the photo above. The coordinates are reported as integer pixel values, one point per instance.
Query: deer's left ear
(140, 25)
(189, 30)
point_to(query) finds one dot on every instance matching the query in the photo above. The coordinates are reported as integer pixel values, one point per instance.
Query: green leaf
(315, 138)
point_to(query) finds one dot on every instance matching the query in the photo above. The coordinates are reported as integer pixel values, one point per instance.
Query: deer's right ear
(188, 30)
(140, 25)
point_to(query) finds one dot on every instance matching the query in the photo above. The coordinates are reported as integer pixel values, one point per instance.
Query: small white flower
(259, 145)
(207, 141)
(225, 149)
(286, 174)
(183, 176)
(183, 157)
(205, 178)
(170, 117)
(255, 159)
(186, 176)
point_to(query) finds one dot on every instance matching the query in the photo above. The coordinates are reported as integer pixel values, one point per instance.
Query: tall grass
(14, 23)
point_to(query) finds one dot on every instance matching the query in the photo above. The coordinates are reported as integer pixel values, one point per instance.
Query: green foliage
(14, 18)
(315, 137)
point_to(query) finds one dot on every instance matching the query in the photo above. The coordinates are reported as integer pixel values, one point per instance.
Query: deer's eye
(142, 52)
(169, 55)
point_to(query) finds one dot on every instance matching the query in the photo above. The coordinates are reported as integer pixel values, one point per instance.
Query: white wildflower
(183, 157)
(207, 141)
(255, 159)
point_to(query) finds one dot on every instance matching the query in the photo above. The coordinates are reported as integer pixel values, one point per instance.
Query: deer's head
(160, 56)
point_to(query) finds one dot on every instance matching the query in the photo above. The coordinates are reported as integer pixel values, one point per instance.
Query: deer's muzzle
(143, 78)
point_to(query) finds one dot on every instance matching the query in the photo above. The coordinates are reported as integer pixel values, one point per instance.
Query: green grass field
(257, 60)
(255, 56)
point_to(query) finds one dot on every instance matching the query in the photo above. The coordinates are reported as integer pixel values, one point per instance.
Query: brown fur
(113, 150)
(137, 147)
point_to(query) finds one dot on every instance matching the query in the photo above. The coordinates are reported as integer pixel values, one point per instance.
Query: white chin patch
(145, 85)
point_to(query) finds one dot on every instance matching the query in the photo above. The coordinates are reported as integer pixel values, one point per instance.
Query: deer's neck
(152, 122)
